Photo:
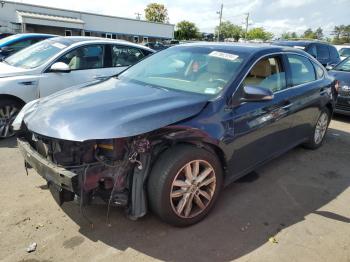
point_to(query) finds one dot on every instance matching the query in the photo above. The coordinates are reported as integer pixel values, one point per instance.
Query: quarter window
(125, 56)
(302, 70)
(267, 73)
(85, 57)
(319, 71)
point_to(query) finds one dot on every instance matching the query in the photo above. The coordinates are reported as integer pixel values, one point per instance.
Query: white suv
(58, 63)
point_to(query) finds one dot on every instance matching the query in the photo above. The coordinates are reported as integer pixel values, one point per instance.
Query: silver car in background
(58, 63)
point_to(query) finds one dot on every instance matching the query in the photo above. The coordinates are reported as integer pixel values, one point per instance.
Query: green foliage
(341, 34)
(156, 13)
(186, 30)
(259, 33)
(289, 35)
(309, 34)
(229, 30)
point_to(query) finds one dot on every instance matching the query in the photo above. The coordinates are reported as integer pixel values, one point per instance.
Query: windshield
(193, 69)
(36, 55)
(344, 52)
(343, 66)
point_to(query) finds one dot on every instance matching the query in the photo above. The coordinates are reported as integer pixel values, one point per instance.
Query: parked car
(344, 51)
(3, 35)
(341, 73)
(325, 53)
(157, 46)
(58, 63)
(170, 131)
(14, 43)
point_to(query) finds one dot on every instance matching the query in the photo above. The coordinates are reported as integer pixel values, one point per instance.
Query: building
(19, 18)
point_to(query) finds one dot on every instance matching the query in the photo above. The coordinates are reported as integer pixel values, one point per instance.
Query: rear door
(87, 63)
(305, 81)
(262, 129)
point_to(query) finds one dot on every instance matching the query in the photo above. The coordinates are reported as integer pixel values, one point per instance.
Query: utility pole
(138, 16)
(220, 13)
(246, 25)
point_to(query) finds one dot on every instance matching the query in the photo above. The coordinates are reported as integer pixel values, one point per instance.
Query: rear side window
(322, 52)
(302, 70)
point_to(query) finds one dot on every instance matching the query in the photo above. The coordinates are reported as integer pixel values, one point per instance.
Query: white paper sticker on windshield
(211, 91)
(59, 45)
(223, 55)
(299, 47)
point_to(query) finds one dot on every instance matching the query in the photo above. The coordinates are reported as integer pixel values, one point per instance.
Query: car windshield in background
(37, 54)
(343, 66)
(344, 52)
(192, 69)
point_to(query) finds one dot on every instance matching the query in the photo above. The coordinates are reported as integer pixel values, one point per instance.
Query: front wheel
(320, 130)
(8, 112)
(184, 185)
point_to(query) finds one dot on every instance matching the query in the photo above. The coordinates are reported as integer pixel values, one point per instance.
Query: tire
(169, 172)
(319, 131)
(9, 109)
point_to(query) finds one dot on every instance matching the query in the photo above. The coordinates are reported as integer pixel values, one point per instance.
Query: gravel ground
(296, 208)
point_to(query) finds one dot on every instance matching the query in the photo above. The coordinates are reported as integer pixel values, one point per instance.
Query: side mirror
(60, 67)
(329, 67)
(256, 94)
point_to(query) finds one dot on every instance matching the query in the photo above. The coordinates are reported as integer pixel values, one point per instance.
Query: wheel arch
(12, 97)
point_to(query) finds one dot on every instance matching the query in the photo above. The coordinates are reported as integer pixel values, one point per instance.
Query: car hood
(110, 109)
(341, 76)
(6, 70)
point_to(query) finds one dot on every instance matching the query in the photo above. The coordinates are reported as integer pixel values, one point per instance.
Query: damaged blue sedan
(169, 132)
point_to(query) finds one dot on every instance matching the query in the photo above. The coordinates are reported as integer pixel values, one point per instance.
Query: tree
(156, 13)
(186, 30)
(319, 33)
(229, 30)
(259, 33)
(309, 34)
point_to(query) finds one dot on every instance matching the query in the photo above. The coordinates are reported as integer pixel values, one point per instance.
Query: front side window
(302, 69)
(319, 71)
(267, 73)
(37, 54)
(202, 70)
(125, 55)
(322, 52)
(343, 66)
(84, 57)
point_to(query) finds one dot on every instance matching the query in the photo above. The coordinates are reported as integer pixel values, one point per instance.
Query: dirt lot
(301, 198)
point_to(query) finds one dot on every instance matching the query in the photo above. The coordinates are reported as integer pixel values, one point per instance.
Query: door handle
(28, 83)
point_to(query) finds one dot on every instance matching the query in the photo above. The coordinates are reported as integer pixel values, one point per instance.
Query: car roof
(243, 47)
(90, 39)
(299, 42)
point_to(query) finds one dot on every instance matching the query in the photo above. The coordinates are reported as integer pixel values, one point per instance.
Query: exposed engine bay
(113, 170)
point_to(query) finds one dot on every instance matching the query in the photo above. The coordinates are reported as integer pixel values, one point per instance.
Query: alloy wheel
(8, 114)
(321, 127)
(192, 189)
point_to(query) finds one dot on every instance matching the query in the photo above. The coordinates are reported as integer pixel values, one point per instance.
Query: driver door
(86, 64)
(262, 129)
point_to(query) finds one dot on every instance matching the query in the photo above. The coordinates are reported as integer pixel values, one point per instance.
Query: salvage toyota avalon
(169, 132)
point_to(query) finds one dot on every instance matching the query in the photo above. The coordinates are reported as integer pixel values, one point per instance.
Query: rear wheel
(184, 185)
(320, 130)
(8, 112)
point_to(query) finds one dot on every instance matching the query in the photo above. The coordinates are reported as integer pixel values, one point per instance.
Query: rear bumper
(59, 176)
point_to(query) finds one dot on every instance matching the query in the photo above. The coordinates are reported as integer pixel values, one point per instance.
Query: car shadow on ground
(8, 142)
(274, 197)
(341, 118)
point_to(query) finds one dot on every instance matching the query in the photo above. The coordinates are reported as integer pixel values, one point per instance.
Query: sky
(277, 16)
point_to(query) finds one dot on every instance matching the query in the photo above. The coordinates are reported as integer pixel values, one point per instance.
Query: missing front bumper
(58, 176)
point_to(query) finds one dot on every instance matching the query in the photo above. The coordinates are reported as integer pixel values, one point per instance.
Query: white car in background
(58, 63)
(343, 50)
